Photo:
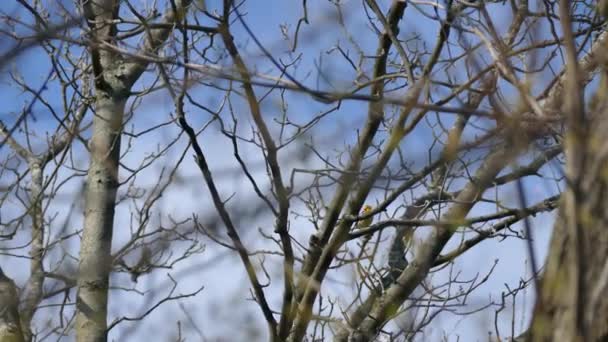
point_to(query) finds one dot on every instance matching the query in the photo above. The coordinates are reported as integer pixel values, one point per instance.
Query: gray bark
(114, 77)
(34, 288)
(100, 196)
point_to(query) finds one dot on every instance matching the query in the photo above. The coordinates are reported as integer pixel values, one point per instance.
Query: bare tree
(352, 158)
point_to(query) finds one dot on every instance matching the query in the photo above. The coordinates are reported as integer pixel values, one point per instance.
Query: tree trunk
(114, 77)
(573, 303)
(100, 196)
(562, 313)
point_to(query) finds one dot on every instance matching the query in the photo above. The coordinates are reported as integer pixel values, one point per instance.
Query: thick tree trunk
(102, 178)
(562, 313)
(100, 196)
(114, 77)
(570, 309)
(573, 303)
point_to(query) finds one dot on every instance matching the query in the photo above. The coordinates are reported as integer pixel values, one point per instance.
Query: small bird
(367, 221)
(364, 223)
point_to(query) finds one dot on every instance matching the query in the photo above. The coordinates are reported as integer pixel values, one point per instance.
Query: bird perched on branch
(10, 326)
(368, 221)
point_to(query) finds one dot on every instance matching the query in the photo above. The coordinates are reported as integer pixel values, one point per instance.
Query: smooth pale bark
(114, 77)
(100, 196)
(102, 178)
(34, 287)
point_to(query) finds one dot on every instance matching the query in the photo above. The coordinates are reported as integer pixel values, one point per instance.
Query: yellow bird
(368, 221)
